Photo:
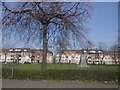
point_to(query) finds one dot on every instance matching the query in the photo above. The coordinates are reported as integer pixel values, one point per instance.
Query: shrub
(65, 74)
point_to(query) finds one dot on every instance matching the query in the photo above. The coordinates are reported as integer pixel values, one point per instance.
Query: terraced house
(37, 55)
(27, 55)
(69, 56)
(94, 56)
(24, 55)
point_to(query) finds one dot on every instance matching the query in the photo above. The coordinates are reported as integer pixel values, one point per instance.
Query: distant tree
(114, 49)
(89, 45)
(102, 46)
(46, 22)
(61, 45)
(54, 59)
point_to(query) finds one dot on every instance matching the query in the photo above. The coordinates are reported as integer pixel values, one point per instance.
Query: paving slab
(52, 84)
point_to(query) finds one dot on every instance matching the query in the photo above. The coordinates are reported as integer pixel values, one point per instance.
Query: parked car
(27, 63)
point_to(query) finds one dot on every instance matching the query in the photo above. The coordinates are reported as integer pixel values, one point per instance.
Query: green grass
(61, 72)
(37, 67)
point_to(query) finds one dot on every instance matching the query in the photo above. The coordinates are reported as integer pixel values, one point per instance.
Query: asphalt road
(52, 84)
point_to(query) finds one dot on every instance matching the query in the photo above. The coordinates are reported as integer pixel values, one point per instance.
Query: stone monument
(83, 62)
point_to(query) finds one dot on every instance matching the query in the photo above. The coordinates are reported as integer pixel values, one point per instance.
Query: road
(52, 84)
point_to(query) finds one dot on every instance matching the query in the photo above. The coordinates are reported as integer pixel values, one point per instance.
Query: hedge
(53, 74)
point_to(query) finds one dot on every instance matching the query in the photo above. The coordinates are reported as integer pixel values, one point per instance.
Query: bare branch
(22, 11)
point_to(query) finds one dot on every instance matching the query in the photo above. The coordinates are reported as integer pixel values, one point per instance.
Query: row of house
(93, 56)
(27, 55)
(24, 55)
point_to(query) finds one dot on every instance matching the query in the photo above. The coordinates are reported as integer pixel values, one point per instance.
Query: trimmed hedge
(67, 74)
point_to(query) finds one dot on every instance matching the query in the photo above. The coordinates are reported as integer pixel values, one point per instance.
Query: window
(76, 57)
(96, 61)
(92, 51)
(72, 57)
(12, 55)
(89, 57)
(19, 55)
(25, 49)
(33, 56)
(10, 50)
(17, 49)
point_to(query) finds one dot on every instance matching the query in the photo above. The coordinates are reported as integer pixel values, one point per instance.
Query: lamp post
(98, 64)
(5, 57)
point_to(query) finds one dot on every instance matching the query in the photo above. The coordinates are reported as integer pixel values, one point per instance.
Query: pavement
(52, 84)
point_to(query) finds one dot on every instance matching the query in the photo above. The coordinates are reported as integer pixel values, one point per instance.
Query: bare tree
(46, 22)
(102, 46)
(89, 45)
(61, 45)
(114, 49)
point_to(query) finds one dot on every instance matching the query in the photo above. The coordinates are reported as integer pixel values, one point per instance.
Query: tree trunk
(115, 57)
(5, 57)
(60, 59)
(44, 59)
